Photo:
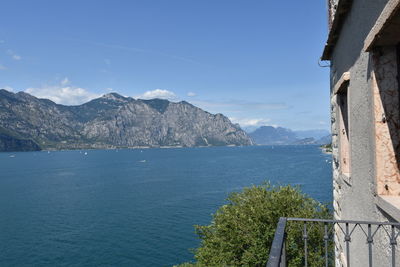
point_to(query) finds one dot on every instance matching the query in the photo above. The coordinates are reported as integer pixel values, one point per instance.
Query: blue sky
(254, 61)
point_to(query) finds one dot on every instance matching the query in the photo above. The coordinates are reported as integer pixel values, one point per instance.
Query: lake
(133, 207)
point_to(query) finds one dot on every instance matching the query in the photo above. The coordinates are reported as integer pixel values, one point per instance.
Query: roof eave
(342, 10)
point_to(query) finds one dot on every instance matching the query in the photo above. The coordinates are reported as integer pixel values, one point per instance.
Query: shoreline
(119, 148)
(325, 150)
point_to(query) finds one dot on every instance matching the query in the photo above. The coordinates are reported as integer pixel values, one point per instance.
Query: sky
(253, 61)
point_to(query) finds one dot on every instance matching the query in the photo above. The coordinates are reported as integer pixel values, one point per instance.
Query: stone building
(364, 53)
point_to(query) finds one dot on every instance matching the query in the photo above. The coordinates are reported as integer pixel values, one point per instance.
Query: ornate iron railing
(345, 229)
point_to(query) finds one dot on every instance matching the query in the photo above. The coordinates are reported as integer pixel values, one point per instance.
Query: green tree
(242, 231)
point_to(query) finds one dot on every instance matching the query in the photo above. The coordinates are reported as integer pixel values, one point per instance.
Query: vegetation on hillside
(327, 148)
(242, 231)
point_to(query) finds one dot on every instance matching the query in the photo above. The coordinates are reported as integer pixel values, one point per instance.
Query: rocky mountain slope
(111, 121)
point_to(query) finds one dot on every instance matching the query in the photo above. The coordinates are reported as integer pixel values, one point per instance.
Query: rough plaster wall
(382, 248)
(358, 200)
(387, 127)
(358, 23)
(385, 89)
(355, 194)
(354, 198)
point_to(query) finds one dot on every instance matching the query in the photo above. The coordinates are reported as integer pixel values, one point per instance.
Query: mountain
(305, 141)
(11, 142)
(325, 140)
(312, 141)
(316, 134)
(268, 135)
(111, 121)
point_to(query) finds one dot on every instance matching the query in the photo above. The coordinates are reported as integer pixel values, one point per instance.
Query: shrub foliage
(242, 231)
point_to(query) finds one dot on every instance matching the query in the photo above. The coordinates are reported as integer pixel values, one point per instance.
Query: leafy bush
(242, 231)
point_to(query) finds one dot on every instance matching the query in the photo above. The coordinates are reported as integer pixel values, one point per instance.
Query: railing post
(369, 241)
(305, 237)
(347, 239)
(326, 239)
(393, 243)
(278, 257)
(283, 262)
(277, 254)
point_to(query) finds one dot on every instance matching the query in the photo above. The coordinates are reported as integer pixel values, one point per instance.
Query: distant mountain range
(268, 135)
(112, 121)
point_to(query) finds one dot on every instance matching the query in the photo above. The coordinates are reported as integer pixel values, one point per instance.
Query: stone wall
(337, 181)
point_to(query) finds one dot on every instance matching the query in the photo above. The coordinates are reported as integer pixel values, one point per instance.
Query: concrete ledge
(390, 205)
(386, 29)
(342, 83)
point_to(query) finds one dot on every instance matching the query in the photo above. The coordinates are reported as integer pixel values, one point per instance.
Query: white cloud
(2, 67)
(2, 42)
(191, 94)
(107, 61)
(246, 122)
(13, 55)
(158, 93)
(63, 93)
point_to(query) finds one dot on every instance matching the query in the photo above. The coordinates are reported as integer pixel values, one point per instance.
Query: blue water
(133, 207)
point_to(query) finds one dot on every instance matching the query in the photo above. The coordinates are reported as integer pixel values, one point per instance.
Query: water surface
(133, 207)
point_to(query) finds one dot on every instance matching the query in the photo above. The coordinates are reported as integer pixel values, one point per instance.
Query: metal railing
(345, 228)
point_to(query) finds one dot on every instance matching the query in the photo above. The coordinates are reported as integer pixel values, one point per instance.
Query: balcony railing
(344, 229)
